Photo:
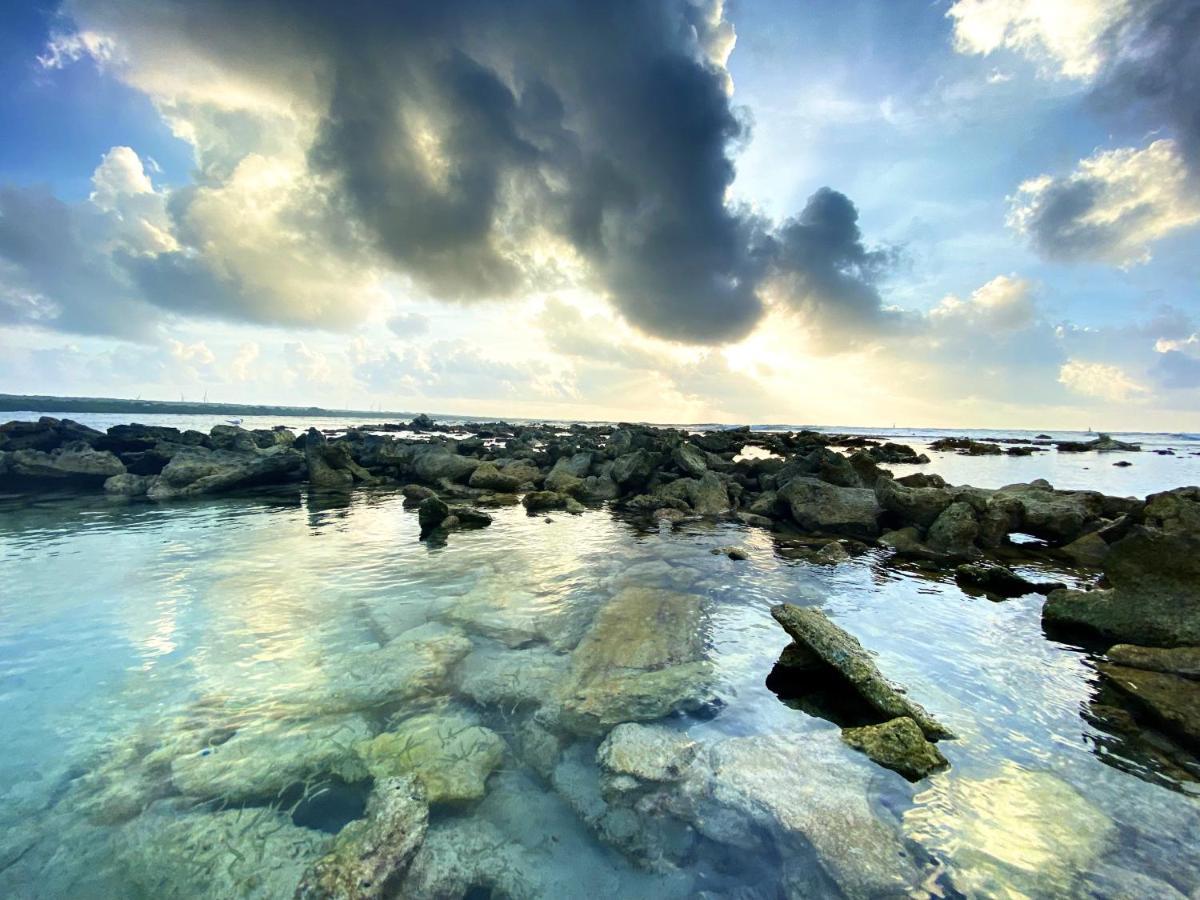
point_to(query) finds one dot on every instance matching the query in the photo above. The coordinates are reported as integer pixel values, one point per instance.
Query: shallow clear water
(166, 671)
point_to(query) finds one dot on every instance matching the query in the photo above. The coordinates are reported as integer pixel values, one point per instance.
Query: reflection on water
(178, 679)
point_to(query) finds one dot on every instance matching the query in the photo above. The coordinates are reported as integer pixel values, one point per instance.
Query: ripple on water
(133, 635)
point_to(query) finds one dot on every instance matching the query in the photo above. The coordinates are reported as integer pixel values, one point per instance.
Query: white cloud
(1005, 303)
(1111, 208)
(1105, 382)
(1063, 37)
(247, 354)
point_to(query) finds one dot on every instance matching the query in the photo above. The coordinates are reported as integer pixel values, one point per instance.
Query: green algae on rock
(899, 745)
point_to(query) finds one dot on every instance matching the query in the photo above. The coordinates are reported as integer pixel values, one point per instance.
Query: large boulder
(812, 630)
(1056, 516)
(47, 434)
(689, 459)
(322, 472)
(818, 506)
(912, 505)
(1168, 700)
(633, 469)
(488, 477)
(74, 463)
(1153, 596)
(568, 473)
(197, 471)
(954, 532)
(432, 464)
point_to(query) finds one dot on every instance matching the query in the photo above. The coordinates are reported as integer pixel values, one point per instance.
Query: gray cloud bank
(452, 142)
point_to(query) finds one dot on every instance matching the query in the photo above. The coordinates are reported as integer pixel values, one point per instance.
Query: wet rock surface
(897, 744)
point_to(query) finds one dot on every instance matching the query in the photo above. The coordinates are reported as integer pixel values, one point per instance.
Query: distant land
(48, 404)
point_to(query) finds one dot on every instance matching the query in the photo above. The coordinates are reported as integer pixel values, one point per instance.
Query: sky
(972, 213)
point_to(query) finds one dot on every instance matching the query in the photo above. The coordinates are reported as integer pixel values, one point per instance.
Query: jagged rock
(953, 533)
(471, 518)
(173, 854)
(74, 463)
(540, 501)
(321, 472)
(734, 553)
(487, 477)
(632, 469)
(431, 514)
(127, 485)
(1056, 516)
(1000, 581)
(196, 471)
(642, 659)
(1103, 443)
(812, 629)
(690, 460)
(1153, 599)
(422, 422)
(263, 757)
(369, 855)
(450, 754)
(415, 493)
(913, 505)
(1183, 661)
(646, 752)
(566, 477)
(897, 454)
(818, 506)
(231, 437)
(46, 434)
(434, 463)
(1090, 550)
(899, 745)
(1169, 700)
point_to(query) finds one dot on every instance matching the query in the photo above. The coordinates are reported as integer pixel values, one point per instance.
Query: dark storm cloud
(449, 138)
(1154, 68)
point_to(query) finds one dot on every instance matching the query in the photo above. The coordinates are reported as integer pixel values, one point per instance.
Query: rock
(966, 446)
(734, 553)
(369, 855)
(642, 659)
(889, 453)
(632, 469)
(448, 753)
(807, 798)
(812, 629)
(899, 745)
(1183, 661)
(196, 471)
(171, 852)
(1019, 833)
(690, 460)
(431, 514)
(129, 485)
(500, 609)
(321, 474)
(540, 501)
(1000, 581)
(470, 857)
(1103, 443)
(231, 437)
(512, 678)
(646, 752)
(566, 477)
(422, 422)
(1056, 516)
(1169, 700)
(264, 757)
(1089, 550)
(953, 533)
(1153, 599)
(817, 506)
(415, 493)
(708, 496)
(487, 477)
(470, 518)
(912, 505)
(47, 434)
(432, 464)
(832, 553)
(73, 463)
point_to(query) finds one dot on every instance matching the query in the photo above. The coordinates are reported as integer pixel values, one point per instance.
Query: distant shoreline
(46, 403)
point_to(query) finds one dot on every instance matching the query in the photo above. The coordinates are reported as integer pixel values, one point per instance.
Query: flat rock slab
(1183, 661)
(811, 628)
(1172, 701)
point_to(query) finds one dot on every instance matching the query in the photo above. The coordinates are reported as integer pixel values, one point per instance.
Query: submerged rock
(258, 853)
(899, 745)
(842, 651)
(450, 754)
(469, 857)
(646, 752)
(264, 757)
(369, 855)
(643, 658)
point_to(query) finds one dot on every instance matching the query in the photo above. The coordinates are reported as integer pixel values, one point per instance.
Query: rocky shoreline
(828, 497)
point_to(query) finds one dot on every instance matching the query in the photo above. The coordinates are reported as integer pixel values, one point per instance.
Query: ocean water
(188, 691)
